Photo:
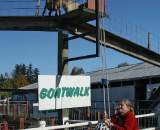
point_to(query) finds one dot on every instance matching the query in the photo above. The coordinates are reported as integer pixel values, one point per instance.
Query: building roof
(30, 86)
(124, 73)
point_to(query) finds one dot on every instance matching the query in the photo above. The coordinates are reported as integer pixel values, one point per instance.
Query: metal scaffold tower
(76, 22)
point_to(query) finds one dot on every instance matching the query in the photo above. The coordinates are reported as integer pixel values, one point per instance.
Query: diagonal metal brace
(79, 36)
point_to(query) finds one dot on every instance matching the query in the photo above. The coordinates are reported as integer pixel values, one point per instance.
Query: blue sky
(40, 48)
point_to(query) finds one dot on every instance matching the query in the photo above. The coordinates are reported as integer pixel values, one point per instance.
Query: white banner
(71, 91)
(44, 85)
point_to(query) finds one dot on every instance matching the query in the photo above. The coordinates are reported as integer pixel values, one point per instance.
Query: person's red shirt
(126, 122)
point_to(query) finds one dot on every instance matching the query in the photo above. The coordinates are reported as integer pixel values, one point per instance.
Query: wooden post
(21, 123)
(89, 117)
(99, 115)
(26, 110)
(8, 107)
(92, 5)
(62, 65)
(14, 111)
(62, 53)
(89, 113)
(53, 121)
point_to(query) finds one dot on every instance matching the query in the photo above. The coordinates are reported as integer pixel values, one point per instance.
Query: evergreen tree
(35, 75)
(16, 70)
(77, 71)
(20, 80)
(21, 75)
(23, 69)
(8, 83)
(2, 79)
(19, 68)
(30, 73)
(6, 75)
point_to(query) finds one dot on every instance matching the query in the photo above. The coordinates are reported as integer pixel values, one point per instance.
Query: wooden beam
(31, 23)
(45, 23)
(76, 27)
(119, 44)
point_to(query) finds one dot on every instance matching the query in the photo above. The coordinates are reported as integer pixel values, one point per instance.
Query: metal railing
(14, 109)
(95, 112)
(21, 109)
(30, 7)
(82, 124)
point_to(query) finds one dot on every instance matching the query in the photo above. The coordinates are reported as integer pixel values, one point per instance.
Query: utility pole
(149, 40)
(63, 65)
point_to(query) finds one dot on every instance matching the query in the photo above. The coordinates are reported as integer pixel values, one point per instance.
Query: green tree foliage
(77, 71)
(35, 75)
(30, 73)
(7, 83)
(21, 75)
(2, 79)
(19, 80)
(19, 69)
